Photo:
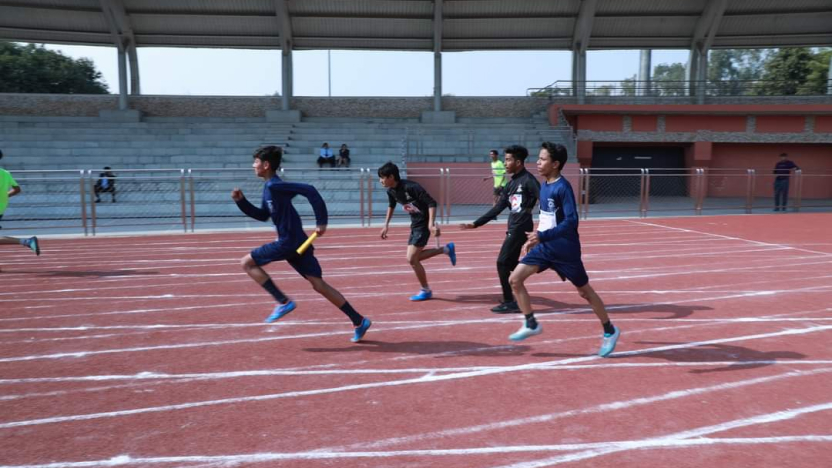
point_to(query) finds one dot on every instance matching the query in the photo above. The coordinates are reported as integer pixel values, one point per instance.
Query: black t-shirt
(414, 199)
(520, 195)
(344, 153)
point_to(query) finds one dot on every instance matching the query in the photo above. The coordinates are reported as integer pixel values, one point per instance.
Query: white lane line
(709, 234)
(688, 434)
(409, 327)
(419, 380)
(263, 457)
(150, 376)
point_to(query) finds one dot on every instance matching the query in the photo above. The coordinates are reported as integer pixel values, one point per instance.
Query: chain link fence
(189, 199)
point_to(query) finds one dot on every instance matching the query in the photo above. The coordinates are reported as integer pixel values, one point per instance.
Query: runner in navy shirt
(277, 205)
(556, 245)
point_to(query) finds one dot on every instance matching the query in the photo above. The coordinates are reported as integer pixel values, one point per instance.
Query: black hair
(556, 152)
(784, 155)
(519, 153)
(270, 154)
(494, 152)
(1, 154)
(389, 169)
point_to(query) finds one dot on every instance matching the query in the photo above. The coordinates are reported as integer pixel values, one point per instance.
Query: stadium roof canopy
(440, 25)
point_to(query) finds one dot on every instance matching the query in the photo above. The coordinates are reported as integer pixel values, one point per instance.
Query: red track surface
(151, 351)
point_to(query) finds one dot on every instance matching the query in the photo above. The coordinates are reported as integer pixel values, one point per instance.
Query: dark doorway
(666, 164)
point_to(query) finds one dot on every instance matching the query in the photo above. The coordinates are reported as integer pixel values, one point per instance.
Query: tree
(818, 80)
(34, 69)
(669, 80)
(733, 72)
(786, 71)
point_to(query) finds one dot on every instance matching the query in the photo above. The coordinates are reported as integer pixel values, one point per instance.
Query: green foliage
(34, 69)
(669, 80)
(731, 72)
(736, 72)
(786, 71)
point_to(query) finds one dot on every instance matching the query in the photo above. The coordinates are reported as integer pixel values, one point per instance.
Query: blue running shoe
(361, 330)
(608, 343)
(422, 296)
(32, 242)
(281, 311)
(452, 253)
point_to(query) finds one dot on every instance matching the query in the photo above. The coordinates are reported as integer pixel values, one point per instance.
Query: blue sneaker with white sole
(361, 330)
(422, 296)
(609, 342)
(281, 311)
(452, 253)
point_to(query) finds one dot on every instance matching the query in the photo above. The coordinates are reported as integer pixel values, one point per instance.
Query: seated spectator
(344, 153)
(326, 156)
(106, 183)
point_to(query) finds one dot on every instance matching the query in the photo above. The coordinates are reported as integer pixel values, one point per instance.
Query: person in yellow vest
(8, 189)
(498, 172)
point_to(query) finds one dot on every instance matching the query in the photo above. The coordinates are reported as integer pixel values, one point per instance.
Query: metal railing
(631, 192)
(681, 88)
(186, 200)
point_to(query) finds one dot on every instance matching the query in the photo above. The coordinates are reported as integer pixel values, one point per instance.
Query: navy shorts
(572, 270)
(306, 264)
(419, 236)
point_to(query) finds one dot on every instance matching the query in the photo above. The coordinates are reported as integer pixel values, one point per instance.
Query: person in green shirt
(498, 172)
(8, 189)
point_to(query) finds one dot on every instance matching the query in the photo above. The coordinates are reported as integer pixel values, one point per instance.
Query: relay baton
(307, 243)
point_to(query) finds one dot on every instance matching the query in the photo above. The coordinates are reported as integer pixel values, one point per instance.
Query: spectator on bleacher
(344, 156)
(8, 189)
(782, 171)
(498, 172)
(106, 183)
(326, 156)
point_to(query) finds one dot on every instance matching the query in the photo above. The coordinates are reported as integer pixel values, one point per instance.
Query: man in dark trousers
(520, 195)
(782, 171)
(106, 183)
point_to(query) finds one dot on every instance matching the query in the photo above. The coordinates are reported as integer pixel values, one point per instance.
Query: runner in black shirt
(422, 208)
(520, 195)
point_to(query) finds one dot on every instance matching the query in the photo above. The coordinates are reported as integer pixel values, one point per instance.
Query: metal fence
(189, 199)
(639, 192)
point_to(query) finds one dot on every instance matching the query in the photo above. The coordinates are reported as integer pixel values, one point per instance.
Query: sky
(240, 72)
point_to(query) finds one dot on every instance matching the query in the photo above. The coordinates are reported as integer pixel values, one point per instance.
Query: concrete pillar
(437, 81)
(696, 73)
(829, 78)
(122, 79)
(579, 75)
(643, 87)
(287, 72)
(135, 83)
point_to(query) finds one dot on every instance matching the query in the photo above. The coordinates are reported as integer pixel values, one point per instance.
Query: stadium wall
(64, 105)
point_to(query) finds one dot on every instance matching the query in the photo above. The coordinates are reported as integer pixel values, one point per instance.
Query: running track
(151, 351)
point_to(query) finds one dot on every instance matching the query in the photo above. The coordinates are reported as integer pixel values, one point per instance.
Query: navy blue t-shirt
(783, 169)
(277, 204)
(558, 226)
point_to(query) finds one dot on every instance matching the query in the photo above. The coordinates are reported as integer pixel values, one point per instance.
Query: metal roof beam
(583, 25)
(707, 25)
(703, 37)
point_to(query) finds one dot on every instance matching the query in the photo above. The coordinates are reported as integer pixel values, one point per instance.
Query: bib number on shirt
(411, 208)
